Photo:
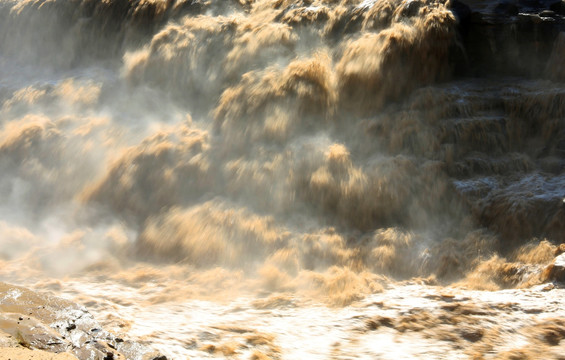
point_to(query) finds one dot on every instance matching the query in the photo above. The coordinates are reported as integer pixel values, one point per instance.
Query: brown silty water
(282, 179)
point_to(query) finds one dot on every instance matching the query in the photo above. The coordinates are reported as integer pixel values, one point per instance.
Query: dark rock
(546, 19)
(529, 4)
(71, 327)
(558, 7)
(547, 13)
(461, 10)
(477, 17)
(506, 8)
(506, 37)
(160, 358)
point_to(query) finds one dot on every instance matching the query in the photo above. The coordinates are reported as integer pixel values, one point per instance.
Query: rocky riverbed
(33, 320)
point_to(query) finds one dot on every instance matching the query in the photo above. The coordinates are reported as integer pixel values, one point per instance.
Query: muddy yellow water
(275, 180)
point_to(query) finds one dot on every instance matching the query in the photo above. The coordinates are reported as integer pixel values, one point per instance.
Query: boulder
(44, 322)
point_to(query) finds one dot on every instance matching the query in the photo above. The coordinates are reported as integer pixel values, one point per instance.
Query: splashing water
(286, 179)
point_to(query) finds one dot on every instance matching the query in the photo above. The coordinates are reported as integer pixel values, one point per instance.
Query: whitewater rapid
(288, 179)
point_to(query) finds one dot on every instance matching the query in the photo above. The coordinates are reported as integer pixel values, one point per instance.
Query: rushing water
(262, 179)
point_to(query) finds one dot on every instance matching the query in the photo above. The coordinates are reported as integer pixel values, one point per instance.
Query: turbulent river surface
(283, 179)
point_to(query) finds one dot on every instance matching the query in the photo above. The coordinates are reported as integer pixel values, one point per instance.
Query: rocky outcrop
(508, 37)
(44, 322)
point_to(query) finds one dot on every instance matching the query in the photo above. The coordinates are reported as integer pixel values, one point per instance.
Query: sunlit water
(421, 321)
(280, 180)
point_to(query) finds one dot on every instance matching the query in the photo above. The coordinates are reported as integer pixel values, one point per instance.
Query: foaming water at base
(406, 320)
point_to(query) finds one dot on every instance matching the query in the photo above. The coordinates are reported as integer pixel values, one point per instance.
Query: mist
(322, 149)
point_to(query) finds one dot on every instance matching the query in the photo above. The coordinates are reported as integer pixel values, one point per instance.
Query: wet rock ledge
(30, 320)
(510, 37)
